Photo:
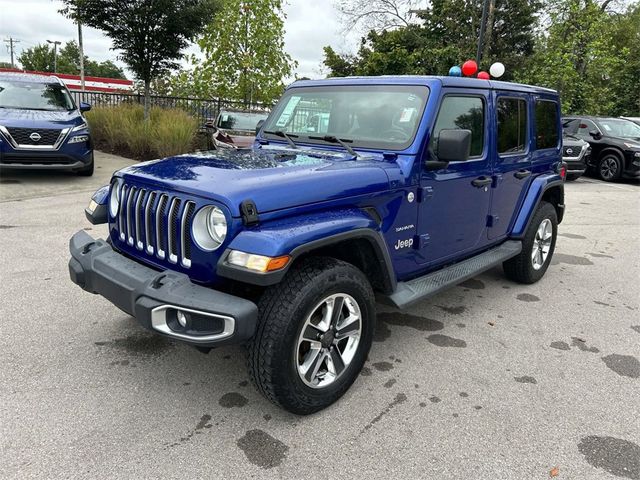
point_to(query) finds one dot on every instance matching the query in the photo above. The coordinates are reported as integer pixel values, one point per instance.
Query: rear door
(453, 211)
(511, 159)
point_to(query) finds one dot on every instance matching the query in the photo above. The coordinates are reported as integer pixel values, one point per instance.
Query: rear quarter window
(546, 113)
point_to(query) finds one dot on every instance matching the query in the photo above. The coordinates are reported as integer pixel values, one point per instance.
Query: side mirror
(259, 126)
(595, 134)
(454, 145)
(85, 107)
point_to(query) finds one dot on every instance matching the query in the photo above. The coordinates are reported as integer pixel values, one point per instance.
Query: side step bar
(408, 293)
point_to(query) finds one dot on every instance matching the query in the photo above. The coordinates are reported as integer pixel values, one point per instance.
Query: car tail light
(562, 170)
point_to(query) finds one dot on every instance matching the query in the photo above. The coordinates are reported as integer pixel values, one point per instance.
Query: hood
(21, 118)
(571, 141)
(274, 178)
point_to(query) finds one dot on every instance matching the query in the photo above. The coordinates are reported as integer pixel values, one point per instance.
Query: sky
(310, 25)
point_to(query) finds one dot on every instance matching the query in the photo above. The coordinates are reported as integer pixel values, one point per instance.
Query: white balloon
(496, 70)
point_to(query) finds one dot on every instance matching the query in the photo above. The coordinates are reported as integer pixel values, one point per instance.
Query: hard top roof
(426, 80)
(29, 78)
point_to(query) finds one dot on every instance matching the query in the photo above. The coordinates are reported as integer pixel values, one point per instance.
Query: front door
(455, 200)
(512, 164)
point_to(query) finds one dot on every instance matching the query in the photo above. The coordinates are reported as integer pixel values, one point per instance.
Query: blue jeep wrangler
(410, 186)
(41, 126)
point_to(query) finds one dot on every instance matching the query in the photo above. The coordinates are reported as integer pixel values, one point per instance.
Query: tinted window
(462, 113)
(512, 125)
(373, 116)
(584, 127)
(546, 124)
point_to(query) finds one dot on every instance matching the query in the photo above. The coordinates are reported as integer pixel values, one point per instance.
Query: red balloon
(484, 76)
(469, 68)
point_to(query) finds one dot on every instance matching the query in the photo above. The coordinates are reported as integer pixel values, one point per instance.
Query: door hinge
(425, 193)
(492, 220)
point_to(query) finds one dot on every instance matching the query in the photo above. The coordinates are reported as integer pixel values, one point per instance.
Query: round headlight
(209, 228)
(114, 198)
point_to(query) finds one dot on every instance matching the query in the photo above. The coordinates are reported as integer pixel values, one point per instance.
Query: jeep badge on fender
(285, 247)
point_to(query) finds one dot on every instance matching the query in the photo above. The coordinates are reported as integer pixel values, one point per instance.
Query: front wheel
(538, 246)
(314, 332)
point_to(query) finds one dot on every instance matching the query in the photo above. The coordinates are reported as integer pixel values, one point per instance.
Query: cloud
(310, 25)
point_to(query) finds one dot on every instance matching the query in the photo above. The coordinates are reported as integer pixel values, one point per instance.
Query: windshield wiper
(332, 139)
(287, 136)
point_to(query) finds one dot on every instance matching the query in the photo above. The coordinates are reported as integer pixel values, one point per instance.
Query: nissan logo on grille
(569, 151)
(35, 136)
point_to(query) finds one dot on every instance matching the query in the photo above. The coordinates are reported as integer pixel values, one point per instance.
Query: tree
(589, 54)
(377, 15)
(445, 34)
(151, 34)
(244, 53)
(40, 58)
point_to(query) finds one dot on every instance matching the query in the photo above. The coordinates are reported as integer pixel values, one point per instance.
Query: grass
(122, 129)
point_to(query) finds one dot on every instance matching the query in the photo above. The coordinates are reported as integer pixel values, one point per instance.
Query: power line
(11, 42)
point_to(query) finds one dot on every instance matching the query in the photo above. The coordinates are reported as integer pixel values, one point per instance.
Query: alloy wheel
(608, 168)
(328, 340)
(542, 244)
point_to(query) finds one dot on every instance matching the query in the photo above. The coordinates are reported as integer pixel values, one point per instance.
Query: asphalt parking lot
(489, 380)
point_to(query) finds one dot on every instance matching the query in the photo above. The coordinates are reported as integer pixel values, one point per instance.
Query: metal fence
(200, 108)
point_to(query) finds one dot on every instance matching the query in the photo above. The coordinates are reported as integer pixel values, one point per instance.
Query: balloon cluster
(470, 68)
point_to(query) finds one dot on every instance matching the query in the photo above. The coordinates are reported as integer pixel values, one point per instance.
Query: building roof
(29, 77)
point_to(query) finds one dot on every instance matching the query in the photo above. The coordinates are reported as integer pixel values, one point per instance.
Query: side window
(466, 113)
(546, 124)
(512, 125)
(570, 125)
(585, 127)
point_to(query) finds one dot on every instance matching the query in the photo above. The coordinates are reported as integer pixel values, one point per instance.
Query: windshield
(372, 116)
(34, 96)
(620, 128)
(240, 120)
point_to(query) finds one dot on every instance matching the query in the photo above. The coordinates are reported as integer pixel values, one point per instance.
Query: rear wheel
(610, 167)
(538, 246)
(314, 332)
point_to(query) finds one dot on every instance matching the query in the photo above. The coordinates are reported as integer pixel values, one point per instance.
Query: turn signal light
(259, 263)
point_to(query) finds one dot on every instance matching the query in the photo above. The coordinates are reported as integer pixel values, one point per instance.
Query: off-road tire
(283, 309)
(520, 268)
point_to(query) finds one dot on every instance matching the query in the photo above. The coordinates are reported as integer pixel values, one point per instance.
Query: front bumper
(58, 160)
(154, 298)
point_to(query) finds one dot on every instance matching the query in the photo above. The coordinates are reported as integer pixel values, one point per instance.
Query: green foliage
(40, 58)
(122, 129)
(151, 33)
(446, 35)
(590, 56)
(244, 57)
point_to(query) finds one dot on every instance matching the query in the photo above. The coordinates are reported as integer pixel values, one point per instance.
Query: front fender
(298, 235)
(536, 192)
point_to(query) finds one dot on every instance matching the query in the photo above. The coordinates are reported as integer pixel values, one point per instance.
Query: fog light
(182, 318)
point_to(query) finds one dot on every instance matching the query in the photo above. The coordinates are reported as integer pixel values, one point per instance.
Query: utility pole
(81, 50)
(55, 54)
(483, 22)
(11, 42)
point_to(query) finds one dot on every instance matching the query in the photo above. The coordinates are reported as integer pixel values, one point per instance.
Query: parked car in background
(635, 120)
(575, 153)
(234, 129)
(41, 126)
(615, 145)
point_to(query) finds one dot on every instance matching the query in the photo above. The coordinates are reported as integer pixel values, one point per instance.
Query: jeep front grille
(156, 223)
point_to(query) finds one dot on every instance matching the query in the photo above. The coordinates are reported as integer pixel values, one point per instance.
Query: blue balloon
(455, 71)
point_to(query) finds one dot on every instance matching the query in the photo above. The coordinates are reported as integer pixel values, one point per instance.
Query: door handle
(520, 174)
(481, 181)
